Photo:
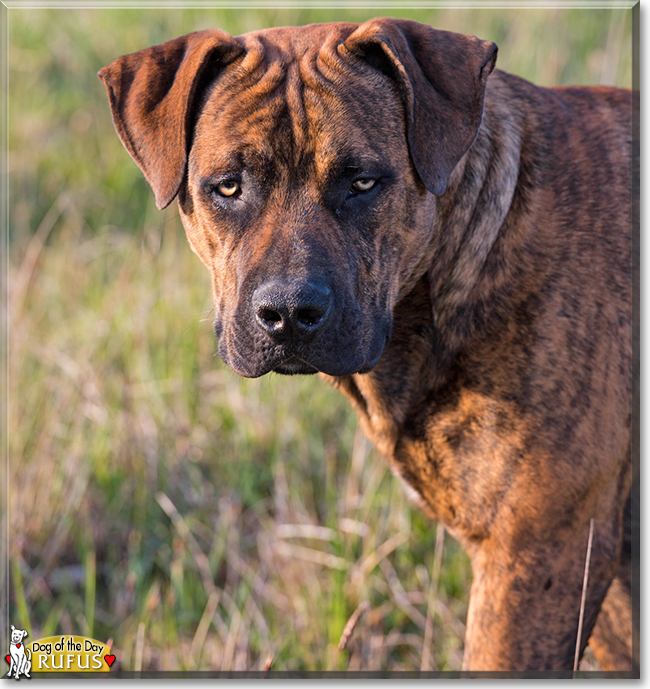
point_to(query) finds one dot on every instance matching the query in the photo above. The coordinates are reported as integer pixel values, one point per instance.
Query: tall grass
(200, 520)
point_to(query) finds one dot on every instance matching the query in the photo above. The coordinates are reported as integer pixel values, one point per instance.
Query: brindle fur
(480, 294)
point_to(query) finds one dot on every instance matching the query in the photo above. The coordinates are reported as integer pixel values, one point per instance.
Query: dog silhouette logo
(19, 657)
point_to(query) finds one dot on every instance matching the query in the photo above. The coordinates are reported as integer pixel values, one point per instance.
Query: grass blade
(576, 660)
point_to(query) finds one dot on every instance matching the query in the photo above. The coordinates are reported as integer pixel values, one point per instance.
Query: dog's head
(306, 163)
(17, 635)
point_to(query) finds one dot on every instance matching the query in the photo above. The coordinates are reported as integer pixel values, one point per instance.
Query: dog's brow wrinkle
(270, 80)
(296, 107)
(319, 74)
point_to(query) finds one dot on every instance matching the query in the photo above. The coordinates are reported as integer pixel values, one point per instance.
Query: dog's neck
(482, 235)
(474, 281)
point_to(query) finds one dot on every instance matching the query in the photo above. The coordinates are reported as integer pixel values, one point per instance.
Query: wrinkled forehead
(297, 41)
(294, 97)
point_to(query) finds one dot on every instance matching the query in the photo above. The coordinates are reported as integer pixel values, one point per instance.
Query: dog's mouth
(295, 366)
(252, 365)
(336, 352)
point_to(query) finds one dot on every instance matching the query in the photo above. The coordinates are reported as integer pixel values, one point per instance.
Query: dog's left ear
(441, 77)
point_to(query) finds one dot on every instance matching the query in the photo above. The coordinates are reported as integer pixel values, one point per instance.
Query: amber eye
(228, 188)
(363, 184)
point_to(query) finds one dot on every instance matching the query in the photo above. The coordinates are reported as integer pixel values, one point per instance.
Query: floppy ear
(151, 94)
(25, 633)
(441, 77)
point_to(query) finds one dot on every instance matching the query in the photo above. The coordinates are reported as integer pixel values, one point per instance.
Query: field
(199, 520)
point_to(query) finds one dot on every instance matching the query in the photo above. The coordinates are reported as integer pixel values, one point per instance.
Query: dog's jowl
(447, 244)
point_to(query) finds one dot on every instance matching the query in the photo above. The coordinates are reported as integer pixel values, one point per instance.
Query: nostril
(308, 317)
(269, 316)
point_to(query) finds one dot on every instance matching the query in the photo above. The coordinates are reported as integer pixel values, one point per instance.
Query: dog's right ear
(151, 94)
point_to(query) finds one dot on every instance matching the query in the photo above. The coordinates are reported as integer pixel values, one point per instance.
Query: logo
(57, 654)
(19, 658)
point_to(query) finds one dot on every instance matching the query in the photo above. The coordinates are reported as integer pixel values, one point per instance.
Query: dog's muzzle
(294, 326)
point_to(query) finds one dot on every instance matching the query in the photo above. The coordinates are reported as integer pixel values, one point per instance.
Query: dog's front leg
(525, 602)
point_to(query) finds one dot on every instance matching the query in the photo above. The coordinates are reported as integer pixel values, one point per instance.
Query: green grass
(200, 520)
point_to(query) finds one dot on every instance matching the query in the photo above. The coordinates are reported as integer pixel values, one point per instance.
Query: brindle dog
(449, 246)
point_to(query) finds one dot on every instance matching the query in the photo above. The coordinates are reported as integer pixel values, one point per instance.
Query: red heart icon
(109, 660)
(8, 659)
(17, 645)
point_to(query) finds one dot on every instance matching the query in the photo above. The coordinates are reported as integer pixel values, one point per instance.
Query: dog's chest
(456, 459)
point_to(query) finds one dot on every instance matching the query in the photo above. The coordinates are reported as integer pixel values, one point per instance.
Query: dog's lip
(294, 365)
(335, 361)
(297, 365)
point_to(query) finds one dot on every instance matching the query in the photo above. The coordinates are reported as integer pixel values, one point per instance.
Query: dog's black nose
(292, 310)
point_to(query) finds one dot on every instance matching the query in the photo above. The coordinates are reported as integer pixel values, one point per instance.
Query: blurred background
(199, 520)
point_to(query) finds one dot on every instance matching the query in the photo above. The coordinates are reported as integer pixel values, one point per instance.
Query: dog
(450, 246)
(21, 658)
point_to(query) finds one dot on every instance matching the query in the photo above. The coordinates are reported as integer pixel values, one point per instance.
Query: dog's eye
(363, 184)
(229, 188)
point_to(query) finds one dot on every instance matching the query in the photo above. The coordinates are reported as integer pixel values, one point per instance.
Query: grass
(200, 520)
(155, 489)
